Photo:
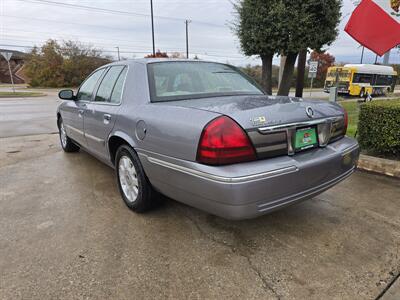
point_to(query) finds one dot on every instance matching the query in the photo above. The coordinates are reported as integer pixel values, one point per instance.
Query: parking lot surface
(65, 233)
(25, 116)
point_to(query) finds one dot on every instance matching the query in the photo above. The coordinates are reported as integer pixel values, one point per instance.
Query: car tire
(133, 184)
(66, 143)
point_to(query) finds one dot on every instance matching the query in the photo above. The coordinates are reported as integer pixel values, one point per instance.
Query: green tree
(44, 66)
(301, 71)
(80, 61)
(269, 27)
(259, 32)
(308, 24)
(325, 60)
(256, 73)
(53, 65)
(158, 54)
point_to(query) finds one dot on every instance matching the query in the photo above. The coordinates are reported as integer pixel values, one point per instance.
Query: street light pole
(119, 58)
(187, 37)
(386, 58)
(152, 27)
(362, 54)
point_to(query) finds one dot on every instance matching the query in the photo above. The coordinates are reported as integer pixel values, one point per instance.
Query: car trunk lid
(259, 111)
(271, 121)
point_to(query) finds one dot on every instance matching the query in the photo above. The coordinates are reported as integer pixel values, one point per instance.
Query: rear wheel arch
(134, 186)
(116, 141)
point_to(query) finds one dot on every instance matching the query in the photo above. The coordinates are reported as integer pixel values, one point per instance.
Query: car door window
(107, 84)
(118, 87)
(86, 90)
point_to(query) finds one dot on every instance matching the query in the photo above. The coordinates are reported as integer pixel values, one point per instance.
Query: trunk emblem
(259, 121)
(309, 112)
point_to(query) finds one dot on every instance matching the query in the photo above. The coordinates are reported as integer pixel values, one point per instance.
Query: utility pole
(119, 58)
(187, 37)
(152, 27)
(386, 58)
(362, 54)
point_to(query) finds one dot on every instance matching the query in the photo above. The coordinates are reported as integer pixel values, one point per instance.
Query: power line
(205, 51)
(72, 34)
(187, 37)
(112, 11)
(10, 30)
(152, 28)
(131, 52)
(68, 23)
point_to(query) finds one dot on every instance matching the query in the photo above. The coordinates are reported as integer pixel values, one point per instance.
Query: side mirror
(67, 95)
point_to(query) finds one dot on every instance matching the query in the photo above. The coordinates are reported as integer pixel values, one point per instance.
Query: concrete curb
(393, 291)
(379, 165)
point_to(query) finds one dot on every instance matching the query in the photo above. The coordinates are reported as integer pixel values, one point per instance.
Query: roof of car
(154, 60)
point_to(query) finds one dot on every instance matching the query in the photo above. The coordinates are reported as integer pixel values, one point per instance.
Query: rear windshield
(170, 81)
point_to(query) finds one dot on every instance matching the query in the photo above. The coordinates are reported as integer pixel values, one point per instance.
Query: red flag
(375, 24)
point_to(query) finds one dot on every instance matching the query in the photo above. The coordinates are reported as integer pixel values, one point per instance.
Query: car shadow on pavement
(66, 229)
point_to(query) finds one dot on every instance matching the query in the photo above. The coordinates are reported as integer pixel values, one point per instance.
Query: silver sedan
(206, 135)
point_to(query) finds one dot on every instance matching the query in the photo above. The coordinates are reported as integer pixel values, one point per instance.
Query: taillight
(223, 142)
(346, 121)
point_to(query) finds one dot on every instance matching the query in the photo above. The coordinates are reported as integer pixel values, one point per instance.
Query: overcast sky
(30, 22)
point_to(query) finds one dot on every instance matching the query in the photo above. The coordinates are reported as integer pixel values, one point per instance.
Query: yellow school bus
(359, 79)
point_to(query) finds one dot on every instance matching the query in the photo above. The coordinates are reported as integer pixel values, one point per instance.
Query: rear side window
(86, 90)
(107, 84)
(119, 85)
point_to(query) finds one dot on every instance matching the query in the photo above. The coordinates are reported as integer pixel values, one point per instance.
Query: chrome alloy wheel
(63, 135)
(128, 178)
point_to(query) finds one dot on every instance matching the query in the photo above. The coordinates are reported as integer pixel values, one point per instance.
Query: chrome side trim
(350, 149)
(268, 129)
(94, 138)
(305, 194)
(223, 179)
(74, 129)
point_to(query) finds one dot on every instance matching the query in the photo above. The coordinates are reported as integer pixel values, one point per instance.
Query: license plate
(306, 138)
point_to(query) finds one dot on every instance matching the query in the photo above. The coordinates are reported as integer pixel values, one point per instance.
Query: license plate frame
(305, 138)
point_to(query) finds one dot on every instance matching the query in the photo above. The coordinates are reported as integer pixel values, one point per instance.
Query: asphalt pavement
(66, 234)
(27, 116)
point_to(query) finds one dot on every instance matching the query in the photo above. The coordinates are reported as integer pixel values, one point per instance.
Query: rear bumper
(247, 190)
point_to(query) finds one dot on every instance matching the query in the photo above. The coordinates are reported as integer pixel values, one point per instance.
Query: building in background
(17, 67)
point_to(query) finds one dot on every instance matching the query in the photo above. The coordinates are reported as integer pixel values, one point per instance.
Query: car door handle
(81, 111)
(107, 117)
